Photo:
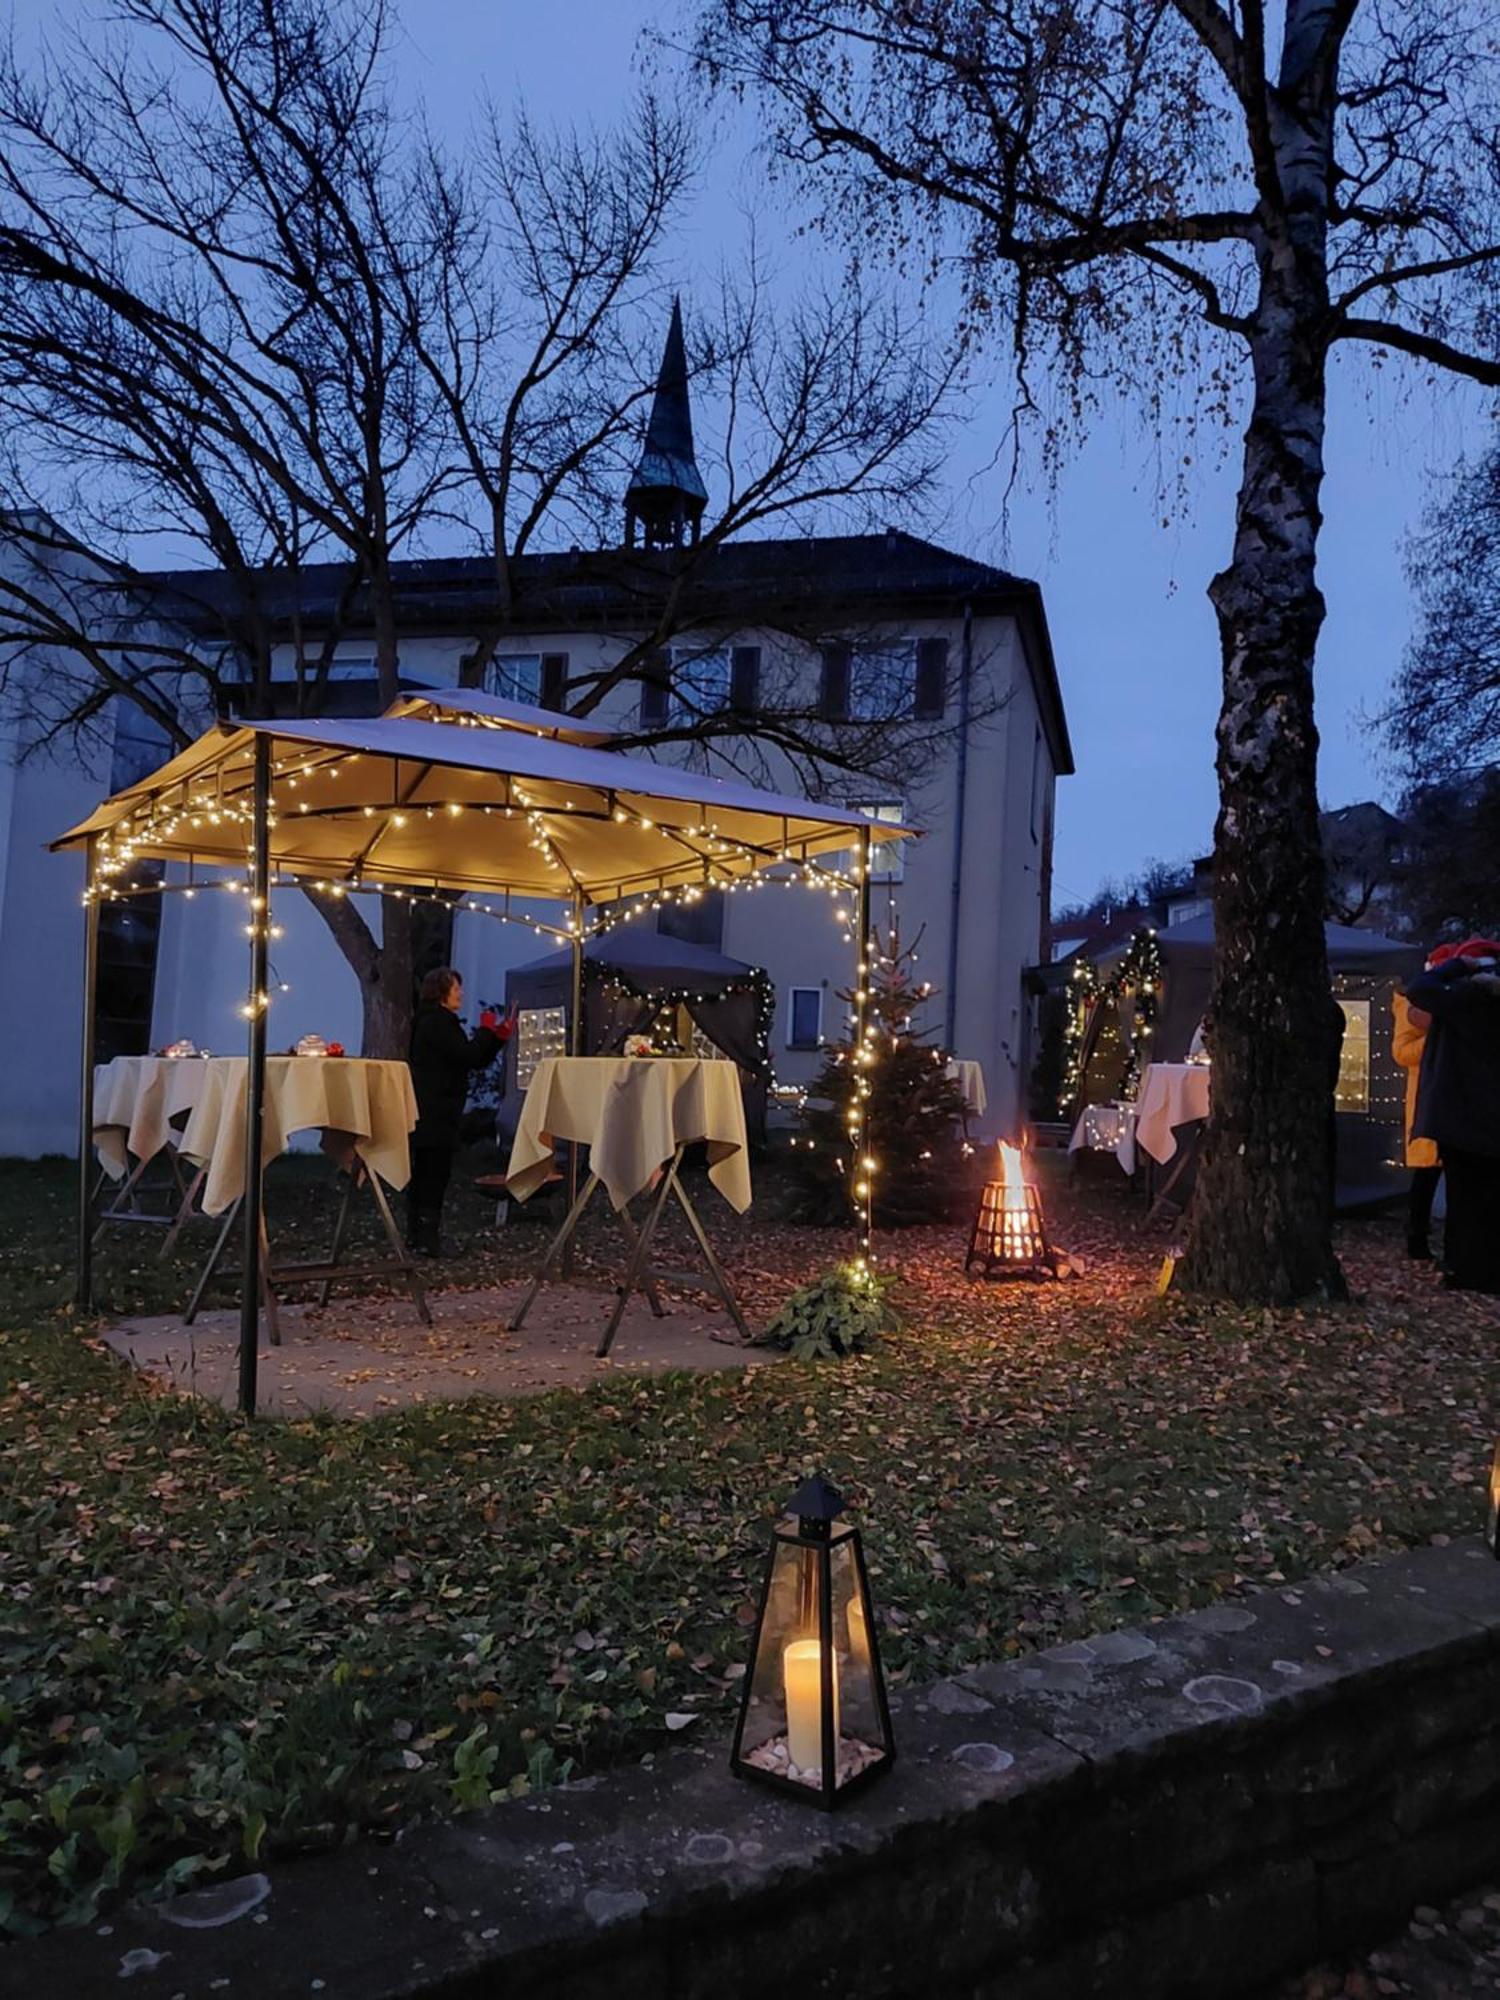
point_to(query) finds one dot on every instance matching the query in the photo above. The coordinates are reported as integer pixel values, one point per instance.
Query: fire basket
(1009, 1237)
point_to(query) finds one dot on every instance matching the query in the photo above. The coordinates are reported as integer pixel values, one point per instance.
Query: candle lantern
(1009, 1237)
(814, 1720)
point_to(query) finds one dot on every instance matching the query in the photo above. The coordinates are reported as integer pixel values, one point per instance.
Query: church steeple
(666, 495)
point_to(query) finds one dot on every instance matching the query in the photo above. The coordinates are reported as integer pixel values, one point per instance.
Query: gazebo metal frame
(444, 792)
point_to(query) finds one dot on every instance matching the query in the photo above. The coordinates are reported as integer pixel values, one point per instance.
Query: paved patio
(363, 1357)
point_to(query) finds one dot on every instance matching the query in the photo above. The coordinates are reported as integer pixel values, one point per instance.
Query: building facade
(931, 669)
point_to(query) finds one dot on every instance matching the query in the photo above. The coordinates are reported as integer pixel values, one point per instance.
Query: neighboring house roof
(803, 583)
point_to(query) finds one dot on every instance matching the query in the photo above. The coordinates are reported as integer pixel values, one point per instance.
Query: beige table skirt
(633, 1112)
(371, 1104)
(136, 1099)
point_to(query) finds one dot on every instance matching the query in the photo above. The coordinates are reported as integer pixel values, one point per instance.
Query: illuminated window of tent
(1353, 1089)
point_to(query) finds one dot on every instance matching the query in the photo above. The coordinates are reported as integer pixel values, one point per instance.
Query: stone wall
(1184, 1810)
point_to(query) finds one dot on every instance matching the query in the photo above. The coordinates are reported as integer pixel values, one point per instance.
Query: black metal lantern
(814, 1720)
(1492, 1516)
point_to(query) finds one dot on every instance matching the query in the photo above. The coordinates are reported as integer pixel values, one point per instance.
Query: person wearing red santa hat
(1458, 1102)
(442, 1059)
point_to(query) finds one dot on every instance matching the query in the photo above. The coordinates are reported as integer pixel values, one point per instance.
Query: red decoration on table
(335, 1048)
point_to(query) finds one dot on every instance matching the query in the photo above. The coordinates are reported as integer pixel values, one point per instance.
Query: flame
(1012, 1169)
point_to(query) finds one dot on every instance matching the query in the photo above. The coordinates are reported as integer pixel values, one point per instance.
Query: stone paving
(1443, 1954)
(366, 1356)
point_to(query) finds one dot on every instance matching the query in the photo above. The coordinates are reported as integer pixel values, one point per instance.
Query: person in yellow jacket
(1408, 1040)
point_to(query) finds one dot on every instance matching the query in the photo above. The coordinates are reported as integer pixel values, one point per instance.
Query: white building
(948, 656)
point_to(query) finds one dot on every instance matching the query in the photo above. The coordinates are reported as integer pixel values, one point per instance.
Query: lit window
(887, 857)
(1353, 1090)
(805, 1025)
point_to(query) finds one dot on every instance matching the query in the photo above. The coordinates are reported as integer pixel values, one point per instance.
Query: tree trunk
(1261, 1222)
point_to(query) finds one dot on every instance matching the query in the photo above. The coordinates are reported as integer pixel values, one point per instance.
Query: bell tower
(666, 496)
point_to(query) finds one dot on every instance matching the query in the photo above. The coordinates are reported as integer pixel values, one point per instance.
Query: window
(1352, 1092)
(515, 677)
(881, 682)
(130, 929)
(870, 683)
(930, 697)
(805, 1017)
(700, 682)
(887, 857)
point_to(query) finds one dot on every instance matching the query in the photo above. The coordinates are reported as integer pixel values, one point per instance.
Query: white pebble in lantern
(814, 1721)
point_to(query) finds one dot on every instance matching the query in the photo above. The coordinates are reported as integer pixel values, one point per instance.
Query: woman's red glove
(491, 1020)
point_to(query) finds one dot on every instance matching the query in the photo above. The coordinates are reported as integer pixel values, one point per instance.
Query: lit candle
(802, 1664)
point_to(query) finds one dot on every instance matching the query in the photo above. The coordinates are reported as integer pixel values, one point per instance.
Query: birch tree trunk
(1261, 1222)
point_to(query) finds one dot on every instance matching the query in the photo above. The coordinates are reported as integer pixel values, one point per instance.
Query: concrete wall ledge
(1183, 1810)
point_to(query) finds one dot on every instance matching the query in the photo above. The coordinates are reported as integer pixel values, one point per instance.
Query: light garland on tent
(1138, 972)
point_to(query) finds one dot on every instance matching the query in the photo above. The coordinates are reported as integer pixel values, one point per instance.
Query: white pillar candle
(802, 1665)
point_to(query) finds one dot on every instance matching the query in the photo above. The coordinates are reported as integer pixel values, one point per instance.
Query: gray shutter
(554, 689)
(744, 679)
(930, 695)
(834, 700)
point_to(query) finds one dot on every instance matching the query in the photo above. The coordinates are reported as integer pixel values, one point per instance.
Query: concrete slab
(367, 1357)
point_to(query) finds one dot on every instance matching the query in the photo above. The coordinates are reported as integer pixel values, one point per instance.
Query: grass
(220, 1642)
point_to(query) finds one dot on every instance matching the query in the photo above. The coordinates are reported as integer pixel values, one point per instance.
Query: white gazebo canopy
(478, 802)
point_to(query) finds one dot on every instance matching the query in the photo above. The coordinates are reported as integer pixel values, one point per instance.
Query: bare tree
(253, 314)
(1443, 721)
(1204, 197)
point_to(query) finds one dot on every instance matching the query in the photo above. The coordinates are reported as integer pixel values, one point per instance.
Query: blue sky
(1135, 637)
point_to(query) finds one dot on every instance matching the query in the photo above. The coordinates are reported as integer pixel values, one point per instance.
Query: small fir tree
(914, 1116)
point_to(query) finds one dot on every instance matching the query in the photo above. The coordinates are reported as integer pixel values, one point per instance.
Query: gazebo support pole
(576, 1046)
(255, 1083)
(85, 1285)
(860, 1174)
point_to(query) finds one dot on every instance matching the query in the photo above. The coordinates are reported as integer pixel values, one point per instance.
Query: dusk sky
(1135, 637)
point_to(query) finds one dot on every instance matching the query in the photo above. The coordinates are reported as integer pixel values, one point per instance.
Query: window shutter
(834, 704)
(656, 691)
(554, 689)
(930, 696)
(744, 679)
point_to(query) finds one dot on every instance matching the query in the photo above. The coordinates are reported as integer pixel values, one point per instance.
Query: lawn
(220, 1642)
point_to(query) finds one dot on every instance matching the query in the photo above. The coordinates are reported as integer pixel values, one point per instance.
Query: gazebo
(458, 792)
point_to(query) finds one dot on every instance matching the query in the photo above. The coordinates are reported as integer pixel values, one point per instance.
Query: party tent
(458, 792)
(629, 975)
(1365, 972)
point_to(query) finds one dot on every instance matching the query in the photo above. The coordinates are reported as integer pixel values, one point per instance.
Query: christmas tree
(913, 1115)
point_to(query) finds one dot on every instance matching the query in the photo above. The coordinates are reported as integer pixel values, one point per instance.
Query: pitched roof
(800, 582)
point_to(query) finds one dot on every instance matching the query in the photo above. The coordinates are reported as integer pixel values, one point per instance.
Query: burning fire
(1012, 1173)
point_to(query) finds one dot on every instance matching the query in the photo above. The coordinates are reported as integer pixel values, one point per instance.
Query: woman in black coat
(1458, 1106)
(442, 1060)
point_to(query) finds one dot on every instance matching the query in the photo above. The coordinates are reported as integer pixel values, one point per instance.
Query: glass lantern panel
(862, 1733)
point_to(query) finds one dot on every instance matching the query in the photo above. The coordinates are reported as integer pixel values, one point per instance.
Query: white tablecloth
(1171, 1094)
(372, 1103)
(633, 1112)
(1107, 1128)
(135, 1100)
(970, 1079)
